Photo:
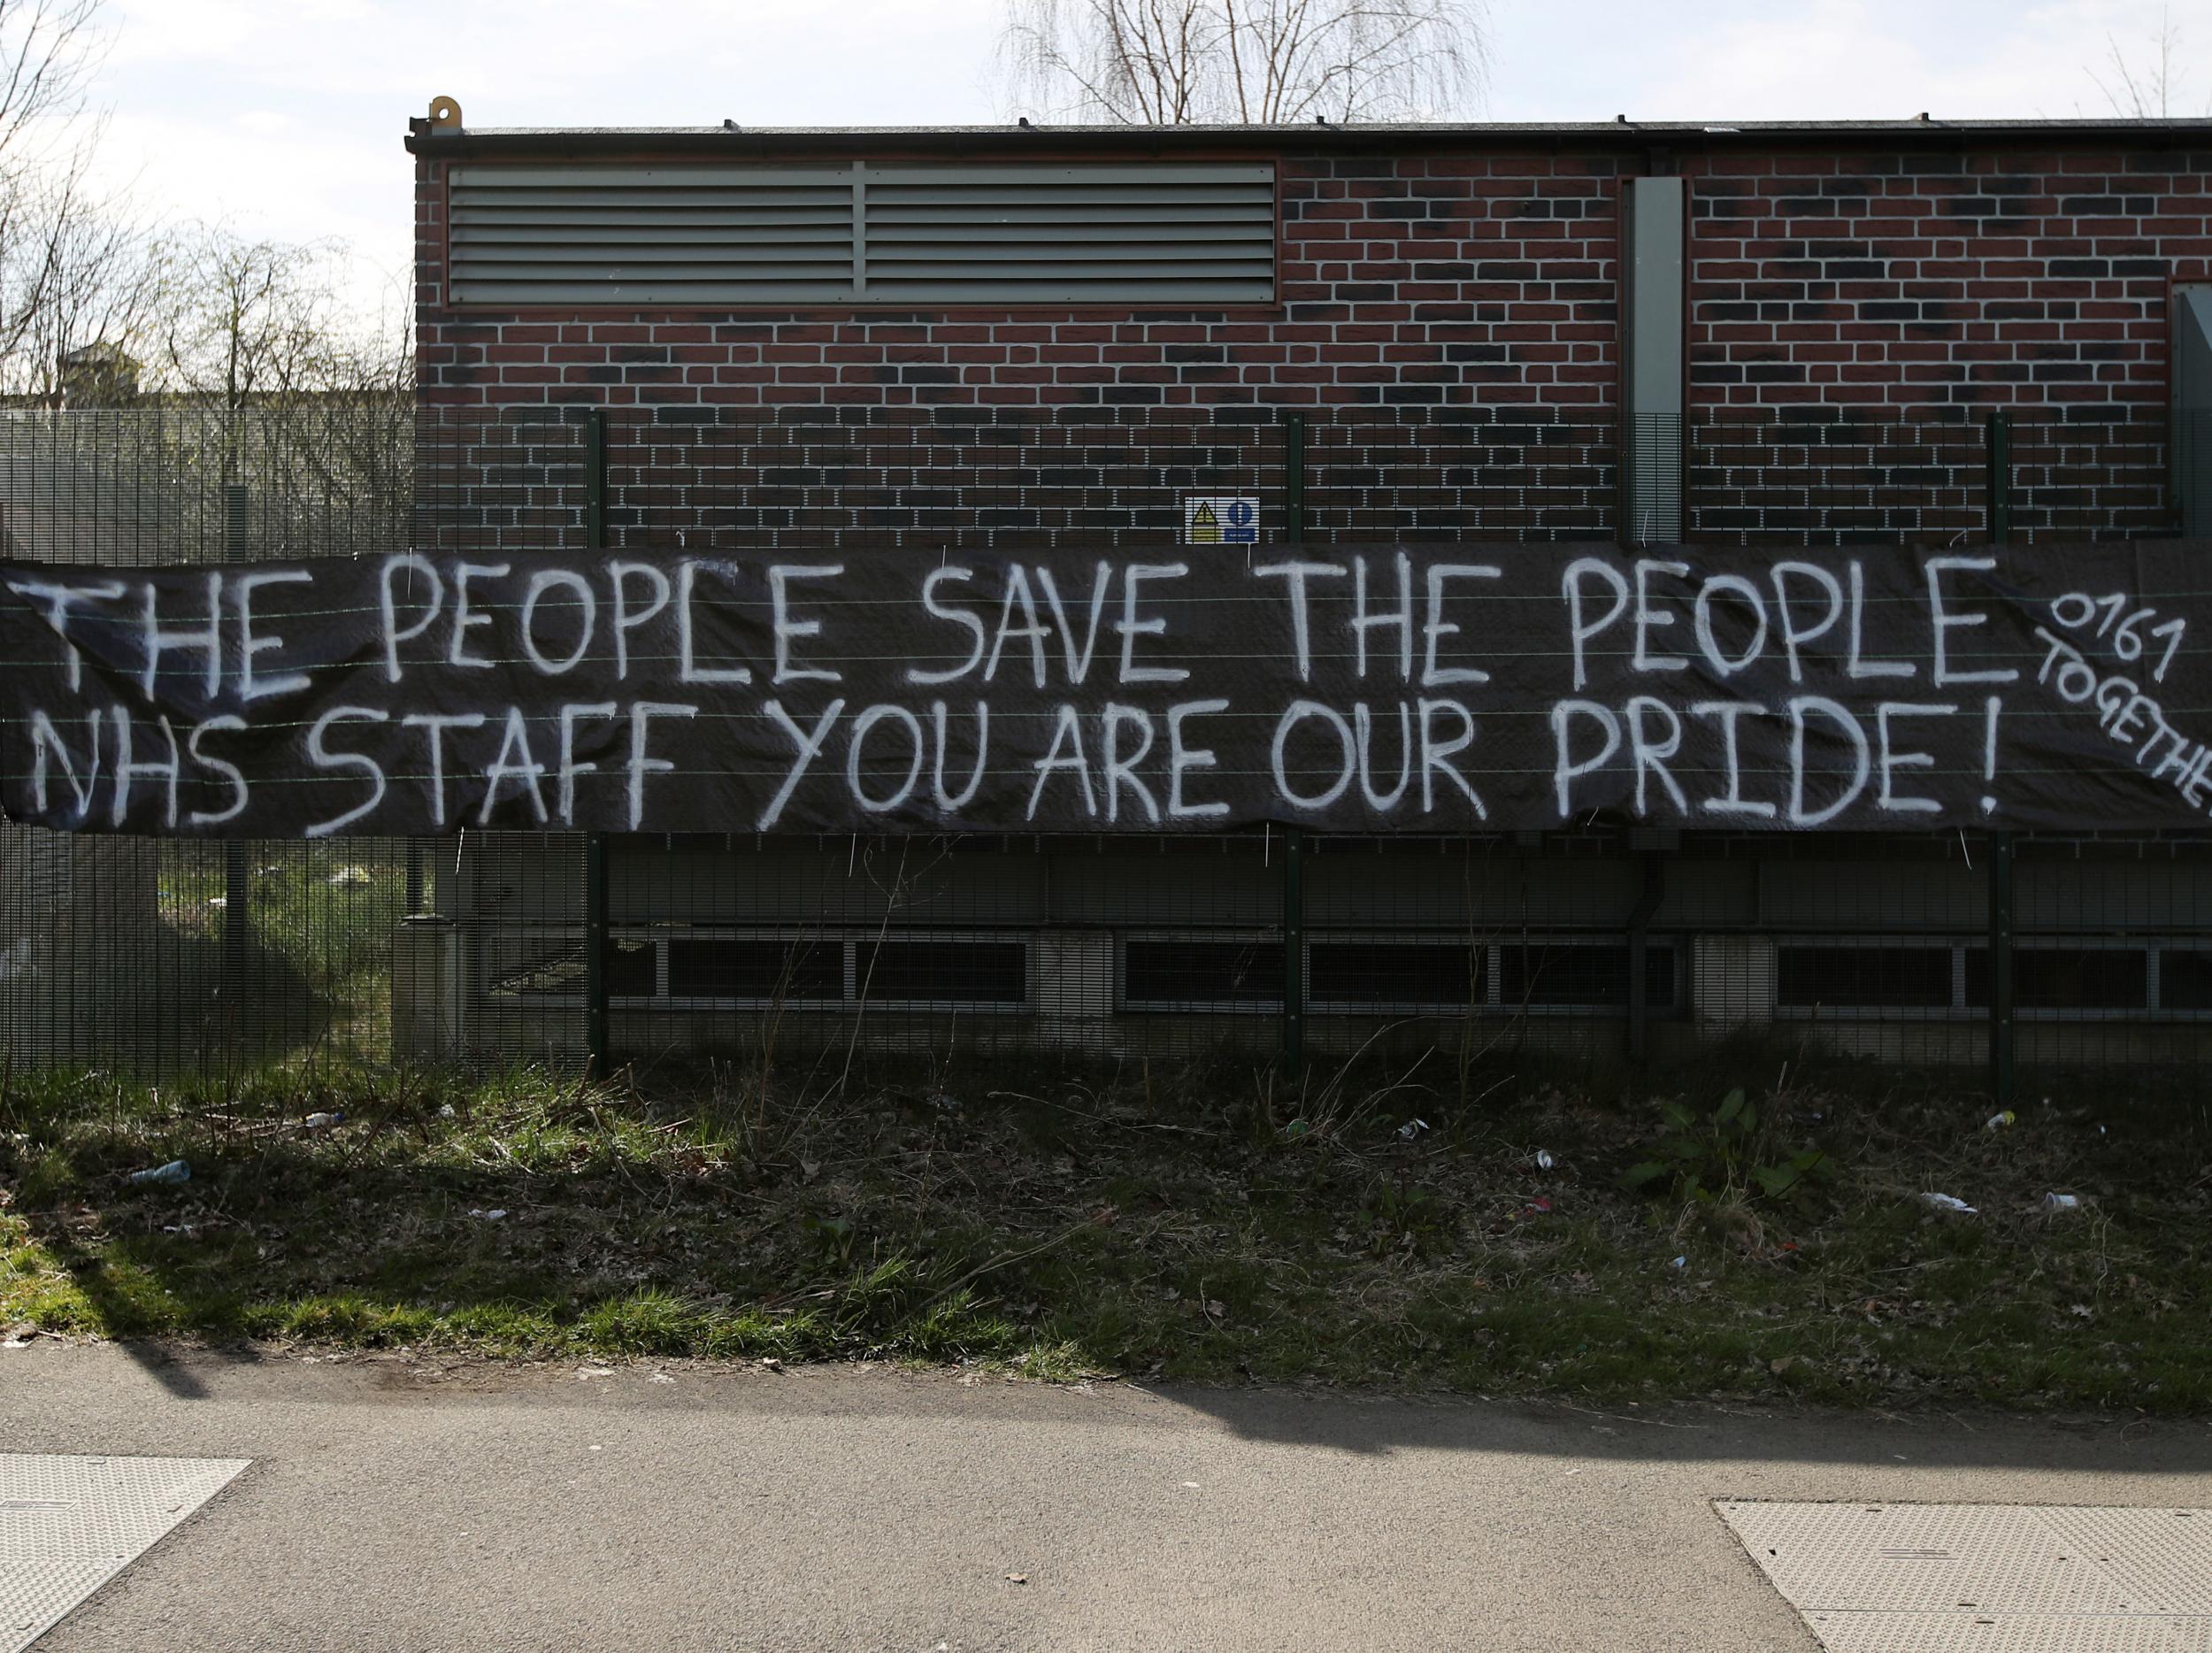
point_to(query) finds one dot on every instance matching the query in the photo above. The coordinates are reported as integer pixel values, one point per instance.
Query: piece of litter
(594, 1448)
(1017, 1578)
(1412, 1128)
(319, 1122)
(445, 1111)
(1680, 1262)
(2084, 1310)
(1192, 1485)
(773, 1364)
(1574, 1472)
(492, 1215)
(175, 1171)
(2062, 1202)
(1947, 1202)
(1544, 1161)
(2001, 1121)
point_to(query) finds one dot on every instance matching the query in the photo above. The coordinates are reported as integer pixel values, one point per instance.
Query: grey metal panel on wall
(2192, 368)
(1652, 211)
(683, 236)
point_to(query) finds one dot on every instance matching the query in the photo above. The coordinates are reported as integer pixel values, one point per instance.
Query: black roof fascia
(722, 141)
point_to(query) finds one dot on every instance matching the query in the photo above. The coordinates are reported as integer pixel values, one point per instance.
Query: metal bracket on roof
(445, 114)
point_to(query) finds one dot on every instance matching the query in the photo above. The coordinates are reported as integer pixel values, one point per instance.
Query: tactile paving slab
(68, 1525)
(1965, 1578)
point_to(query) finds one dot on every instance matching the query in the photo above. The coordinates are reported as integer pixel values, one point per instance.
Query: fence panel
(1604, 943)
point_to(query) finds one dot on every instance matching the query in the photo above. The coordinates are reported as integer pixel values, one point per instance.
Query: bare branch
(2150, 91)
(1175, 62)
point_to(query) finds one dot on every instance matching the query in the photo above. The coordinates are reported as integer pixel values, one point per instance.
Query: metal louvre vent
(710, 236)
(678, 235)
(1073, 234)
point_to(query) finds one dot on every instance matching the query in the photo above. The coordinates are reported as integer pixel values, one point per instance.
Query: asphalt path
(397, 1504)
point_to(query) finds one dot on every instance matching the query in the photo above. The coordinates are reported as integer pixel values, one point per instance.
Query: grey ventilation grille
(720, 236)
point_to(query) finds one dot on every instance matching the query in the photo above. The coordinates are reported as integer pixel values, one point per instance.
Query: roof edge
(731, 139)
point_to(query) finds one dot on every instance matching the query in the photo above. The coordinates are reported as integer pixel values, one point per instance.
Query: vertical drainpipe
(1654, 298)
(1652, 306)
(1999, 505)
(1294, 837)
(595, 843)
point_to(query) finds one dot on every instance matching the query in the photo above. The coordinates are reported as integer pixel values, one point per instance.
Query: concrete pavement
(486, 1508)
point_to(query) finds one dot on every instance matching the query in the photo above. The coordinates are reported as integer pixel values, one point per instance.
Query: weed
(1706, 1158)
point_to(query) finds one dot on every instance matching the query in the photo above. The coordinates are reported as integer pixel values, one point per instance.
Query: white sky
(284, 117)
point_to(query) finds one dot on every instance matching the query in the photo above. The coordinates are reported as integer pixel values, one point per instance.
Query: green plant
(1701, 1156)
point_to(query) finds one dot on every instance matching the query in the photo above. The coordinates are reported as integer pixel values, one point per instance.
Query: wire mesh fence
(1605, 942)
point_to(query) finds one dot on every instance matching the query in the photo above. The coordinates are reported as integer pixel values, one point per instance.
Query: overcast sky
(285, 117)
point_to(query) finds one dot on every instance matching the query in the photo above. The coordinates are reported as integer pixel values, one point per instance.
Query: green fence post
(1998, 444)
(594, 479)
(595, 843)
(1294, 837)
(595, 951)
(237, 867)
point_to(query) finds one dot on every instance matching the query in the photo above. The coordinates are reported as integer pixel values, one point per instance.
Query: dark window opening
(710, 967)
(1212, 973)
(2185, 979)
(2067, 978)
(1893, 976)
(968, 973)
(1383, 973)
(1597, 975)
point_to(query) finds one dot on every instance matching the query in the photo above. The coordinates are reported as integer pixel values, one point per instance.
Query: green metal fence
(1606, 944)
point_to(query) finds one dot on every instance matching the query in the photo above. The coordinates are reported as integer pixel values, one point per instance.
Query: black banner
(1423, 690)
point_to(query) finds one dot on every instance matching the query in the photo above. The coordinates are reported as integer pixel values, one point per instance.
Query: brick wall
(1925, 282)
(1905, 281)
(1405, 281)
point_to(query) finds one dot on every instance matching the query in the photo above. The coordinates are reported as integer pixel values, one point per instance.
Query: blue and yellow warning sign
(1221, 519)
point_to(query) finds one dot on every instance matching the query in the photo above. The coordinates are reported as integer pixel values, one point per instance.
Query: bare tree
(2149, 90)
(87, 286)
(263, 322)
(58, 265)
(1241, 62)
(47, 50)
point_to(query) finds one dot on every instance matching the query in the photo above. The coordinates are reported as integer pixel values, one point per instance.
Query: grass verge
(1209, 1223)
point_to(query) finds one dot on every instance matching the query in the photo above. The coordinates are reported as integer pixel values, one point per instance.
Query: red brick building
(1907, 266)
(1776, 333)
